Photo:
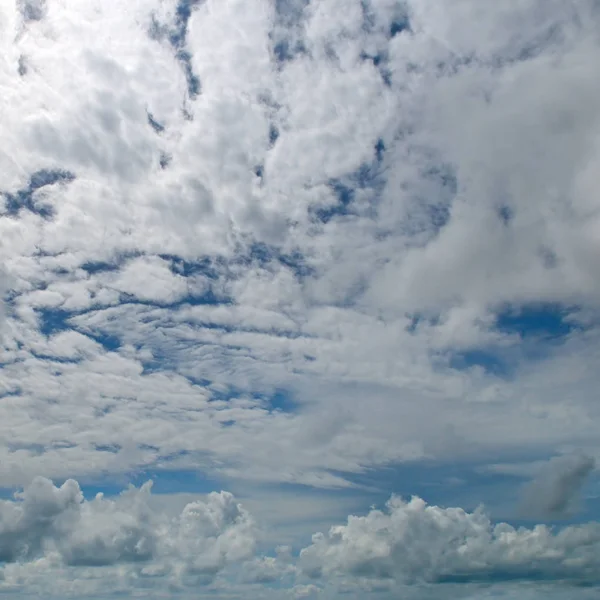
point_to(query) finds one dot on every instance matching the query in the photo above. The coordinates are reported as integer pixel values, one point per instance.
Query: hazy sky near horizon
(300, 299)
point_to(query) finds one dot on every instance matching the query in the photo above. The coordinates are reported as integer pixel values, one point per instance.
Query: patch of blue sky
(110, 343)
(285, 42)
(177, 37)
(193, 81)
(432, 190)
(263, 255)
(273, 134)
(493, 361)
(552, 34)
(99, 266)
(7, 393)
(273, 400)
(259, 171)
(164, 481)
(367, 178)
(158, 127)
(538, 326)
(112, 263)
(111, 448)
(380, 59)
(279, 400)
(443, 484)
(345, 197)
(164, 160)
(498, 361)
(210, 267)
(433, 195)
(289, 12)
(168, 481)
(286, 50)
(24, 199)
(210, 296)
(538, 320)
(53, 320)
(57, 359)
(466, 484)
(505, 214)
(421, 319)
(398, 24)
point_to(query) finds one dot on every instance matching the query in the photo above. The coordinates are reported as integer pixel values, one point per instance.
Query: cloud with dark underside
(555, 491)
(44, 520)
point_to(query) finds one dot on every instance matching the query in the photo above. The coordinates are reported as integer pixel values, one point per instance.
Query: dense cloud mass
(49, 521)
(413, 542)
(47, 533)
(338, 248)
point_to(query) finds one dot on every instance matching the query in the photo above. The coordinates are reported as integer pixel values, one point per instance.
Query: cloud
(413, 543)
(45, 522)
(288, 242)
(372, 238)
(554, 492)
(53, 538)
(32, 10)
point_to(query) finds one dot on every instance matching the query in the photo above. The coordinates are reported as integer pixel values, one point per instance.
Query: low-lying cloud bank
(45, 521)
(109, 544)
(412, 542)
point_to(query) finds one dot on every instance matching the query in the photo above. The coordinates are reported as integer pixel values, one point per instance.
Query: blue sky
(299, 299)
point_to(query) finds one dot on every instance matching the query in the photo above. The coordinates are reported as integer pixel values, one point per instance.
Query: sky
(299, 299)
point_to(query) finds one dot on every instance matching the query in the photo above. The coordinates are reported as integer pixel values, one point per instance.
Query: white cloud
(54, 540)
(276, 279)
(411, 542)
(56, 525)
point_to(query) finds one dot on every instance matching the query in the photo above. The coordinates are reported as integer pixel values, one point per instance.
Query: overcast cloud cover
(322, 254)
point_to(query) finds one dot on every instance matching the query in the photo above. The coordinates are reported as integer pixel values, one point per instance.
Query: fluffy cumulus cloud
(52, 538)
(53, 526)
(413, 542)
(294, 242)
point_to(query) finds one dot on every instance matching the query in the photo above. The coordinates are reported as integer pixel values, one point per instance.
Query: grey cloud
(554, 492)
(44, 520)
(42, 512)
(32, 10)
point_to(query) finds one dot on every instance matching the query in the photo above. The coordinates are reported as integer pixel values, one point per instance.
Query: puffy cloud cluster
(57, 524)
(53, 539)
(411, 542)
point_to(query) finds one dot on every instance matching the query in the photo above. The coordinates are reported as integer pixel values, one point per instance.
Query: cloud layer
(45, 520)
(295, 242)
(52, 536)
(188, 218)
(412, 542)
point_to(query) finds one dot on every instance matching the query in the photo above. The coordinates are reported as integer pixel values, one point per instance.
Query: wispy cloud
(554, 492)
